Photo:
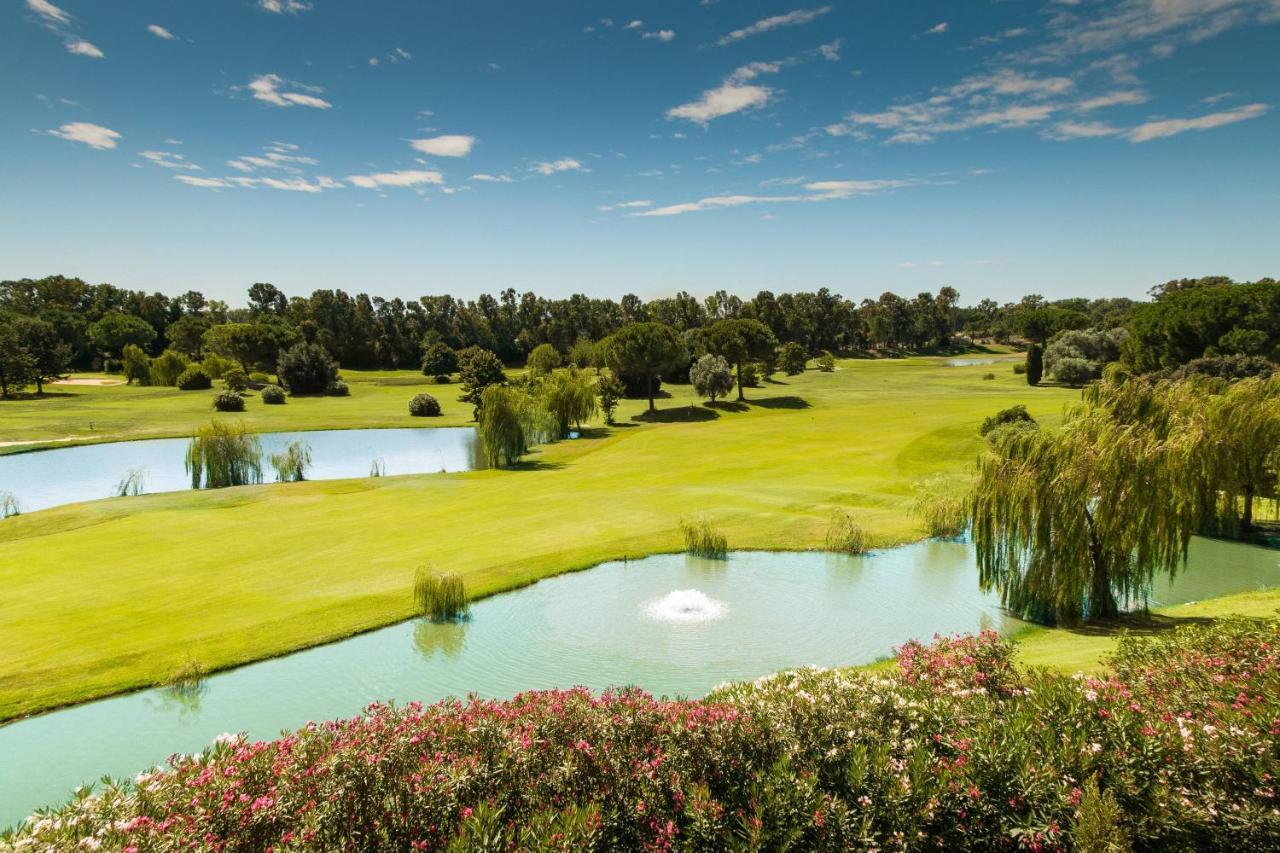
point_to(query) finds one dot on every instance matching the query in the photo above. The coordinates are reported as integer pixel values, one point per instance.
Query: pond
(672, 624)
(46, 478)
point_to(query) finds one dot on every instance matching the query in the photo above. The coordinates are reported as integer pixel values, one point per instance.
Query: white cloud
(93, 135)
(790, 19)
(267, 87)
(1172, 127)
(395, 56)
(1065, 130)
(626, 205)
(209, 183)
(660, 35)
(280, 7)
(634, 25)
(564, 164)
(734, 95)
(831, 50)
(493, 179)
(159, 31)
(80, 47)
(278, 155)
(938, 29)
(405, 178)
(49, 12)
(299, 185)
(1162, 24)
(168, 160)
(445, 146)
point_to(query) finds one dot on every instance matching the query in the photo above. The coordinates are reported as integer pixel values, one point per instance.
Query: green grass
(118, 593)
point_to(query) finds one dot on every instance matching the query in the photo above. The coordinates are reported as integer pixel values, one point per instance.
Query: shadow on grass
(47, 395)
(1138, 624)
(728, 406)
(786, 402)
(683, 414)
(534, 465)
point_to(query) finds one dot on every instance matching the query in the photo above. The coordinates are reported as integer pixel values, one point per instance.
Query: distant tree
(569, 395)
(50, 357)
(1244, 342)
(611, 391)
(254, 345)
(646, 350)
(477, 370)
(1073, 371)
(711, 377)
(501, 429)
(186, 334)
(544, 359)
(136, 365)
(826, 362)
(1040, 324)
(114, 332)
(236, 380)
(1035, 364)
(1244, 421)
(792, 358)
(307, 369)
(583, 353)
(17, 367)
(167, 367)
(439, 360)
(740, 341)
(266, 298)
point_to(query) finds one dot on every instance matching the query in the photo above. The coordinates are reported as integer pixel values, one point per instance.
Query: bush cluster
(228, 401)
(273, 395)
(194, 378)
(958, 748)
(424, 406)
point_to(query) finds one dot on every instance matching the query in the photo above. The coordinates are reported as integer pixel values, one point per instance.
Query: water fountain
(686, 606)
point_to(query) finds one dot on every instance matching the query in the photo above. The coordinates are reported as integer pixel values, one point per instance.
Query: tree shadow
(28, 396)
(683, 414)
(785, 402)
(534, 465)
(1138, 624)
(728, 405)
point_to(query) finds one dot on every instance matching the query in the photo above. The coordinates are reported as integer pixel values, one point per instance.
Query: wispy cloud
(93, 135)
(564, 164)
(735, 94)
(394, 56)
(449, 145)
(48, 12)
(1162, 128)
(297, 185)
(660, 35)
(816, 191)
(1127, 97)
(169, 160)
(281, 156)
(159, 32)
(485, 177)
(764, 25)
(938, 29)
(404, 178)
(281, 7)
(279, 92)
(80, 47)
(626, 205)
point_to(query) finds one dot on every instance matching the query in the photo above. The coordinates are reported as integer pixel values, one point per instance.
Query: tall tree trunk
(1246, 522)
(649, 379)
(39, 386)
(739, 366)
(1102, 600)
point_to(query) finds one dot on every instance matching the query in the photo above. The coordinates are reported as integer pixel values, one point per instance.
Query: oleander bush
(424, 406)
(1177, 748)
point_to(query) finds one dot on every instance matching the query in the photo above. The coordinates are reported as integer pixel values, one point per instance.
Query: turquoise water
(672, 624)
(47, 478)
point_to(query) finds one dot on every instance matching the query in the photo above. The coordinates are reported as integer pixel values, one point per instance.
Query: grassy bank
(114, 594)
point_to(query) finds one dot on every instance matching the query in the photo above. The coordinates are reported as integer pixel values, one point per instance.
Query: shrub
(544, 359)
(111, 365)
(273, 395)
(190, 676)
(136, 365)
(291, 465)
(845, 534)
(958, 748)
(439, 360)
(228, 401)
(1073, 371)
(259, 378)
(1012, 415)
(441, 598)
(711, 377)
(307, 369)
(792, 358)
(750, 375)
(236, 380)
(988, 376)
(223, 454)
(443, 379)
(9, 505)
(194, 378)
(610, 391)
(826, 362)
(167, 367)
(1020, 368)
(216, 365)
(339, 389)
(131, 484)
(424, 406)
(702, 539)
(942, 506)
(583, 354)
(1229, 367)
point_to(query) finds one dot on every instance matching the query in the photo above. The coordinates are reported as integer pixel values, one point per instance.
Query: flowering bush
(1178, 747)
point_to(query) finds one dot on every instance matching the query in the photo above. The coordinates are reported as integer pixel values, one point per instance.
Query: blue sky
(1067, 147)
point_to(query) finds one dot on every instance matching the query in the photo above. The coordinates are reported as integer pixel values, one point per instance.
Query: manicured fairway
(114, 594)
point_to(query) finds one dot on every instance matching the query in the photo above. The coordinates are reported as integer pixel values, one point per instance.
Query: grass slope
(115, 594)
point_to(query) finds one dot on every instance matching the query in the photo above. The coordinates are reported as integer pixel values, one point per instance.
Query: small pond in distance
(42, 479)
(671, 624)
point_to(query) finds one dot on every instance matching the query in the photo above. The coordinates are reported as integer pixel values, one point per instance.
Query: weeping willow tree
(570, 395)
(512, 420)
(1244, 445)
(292, 464)
(1067, 522)
(223, 454)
